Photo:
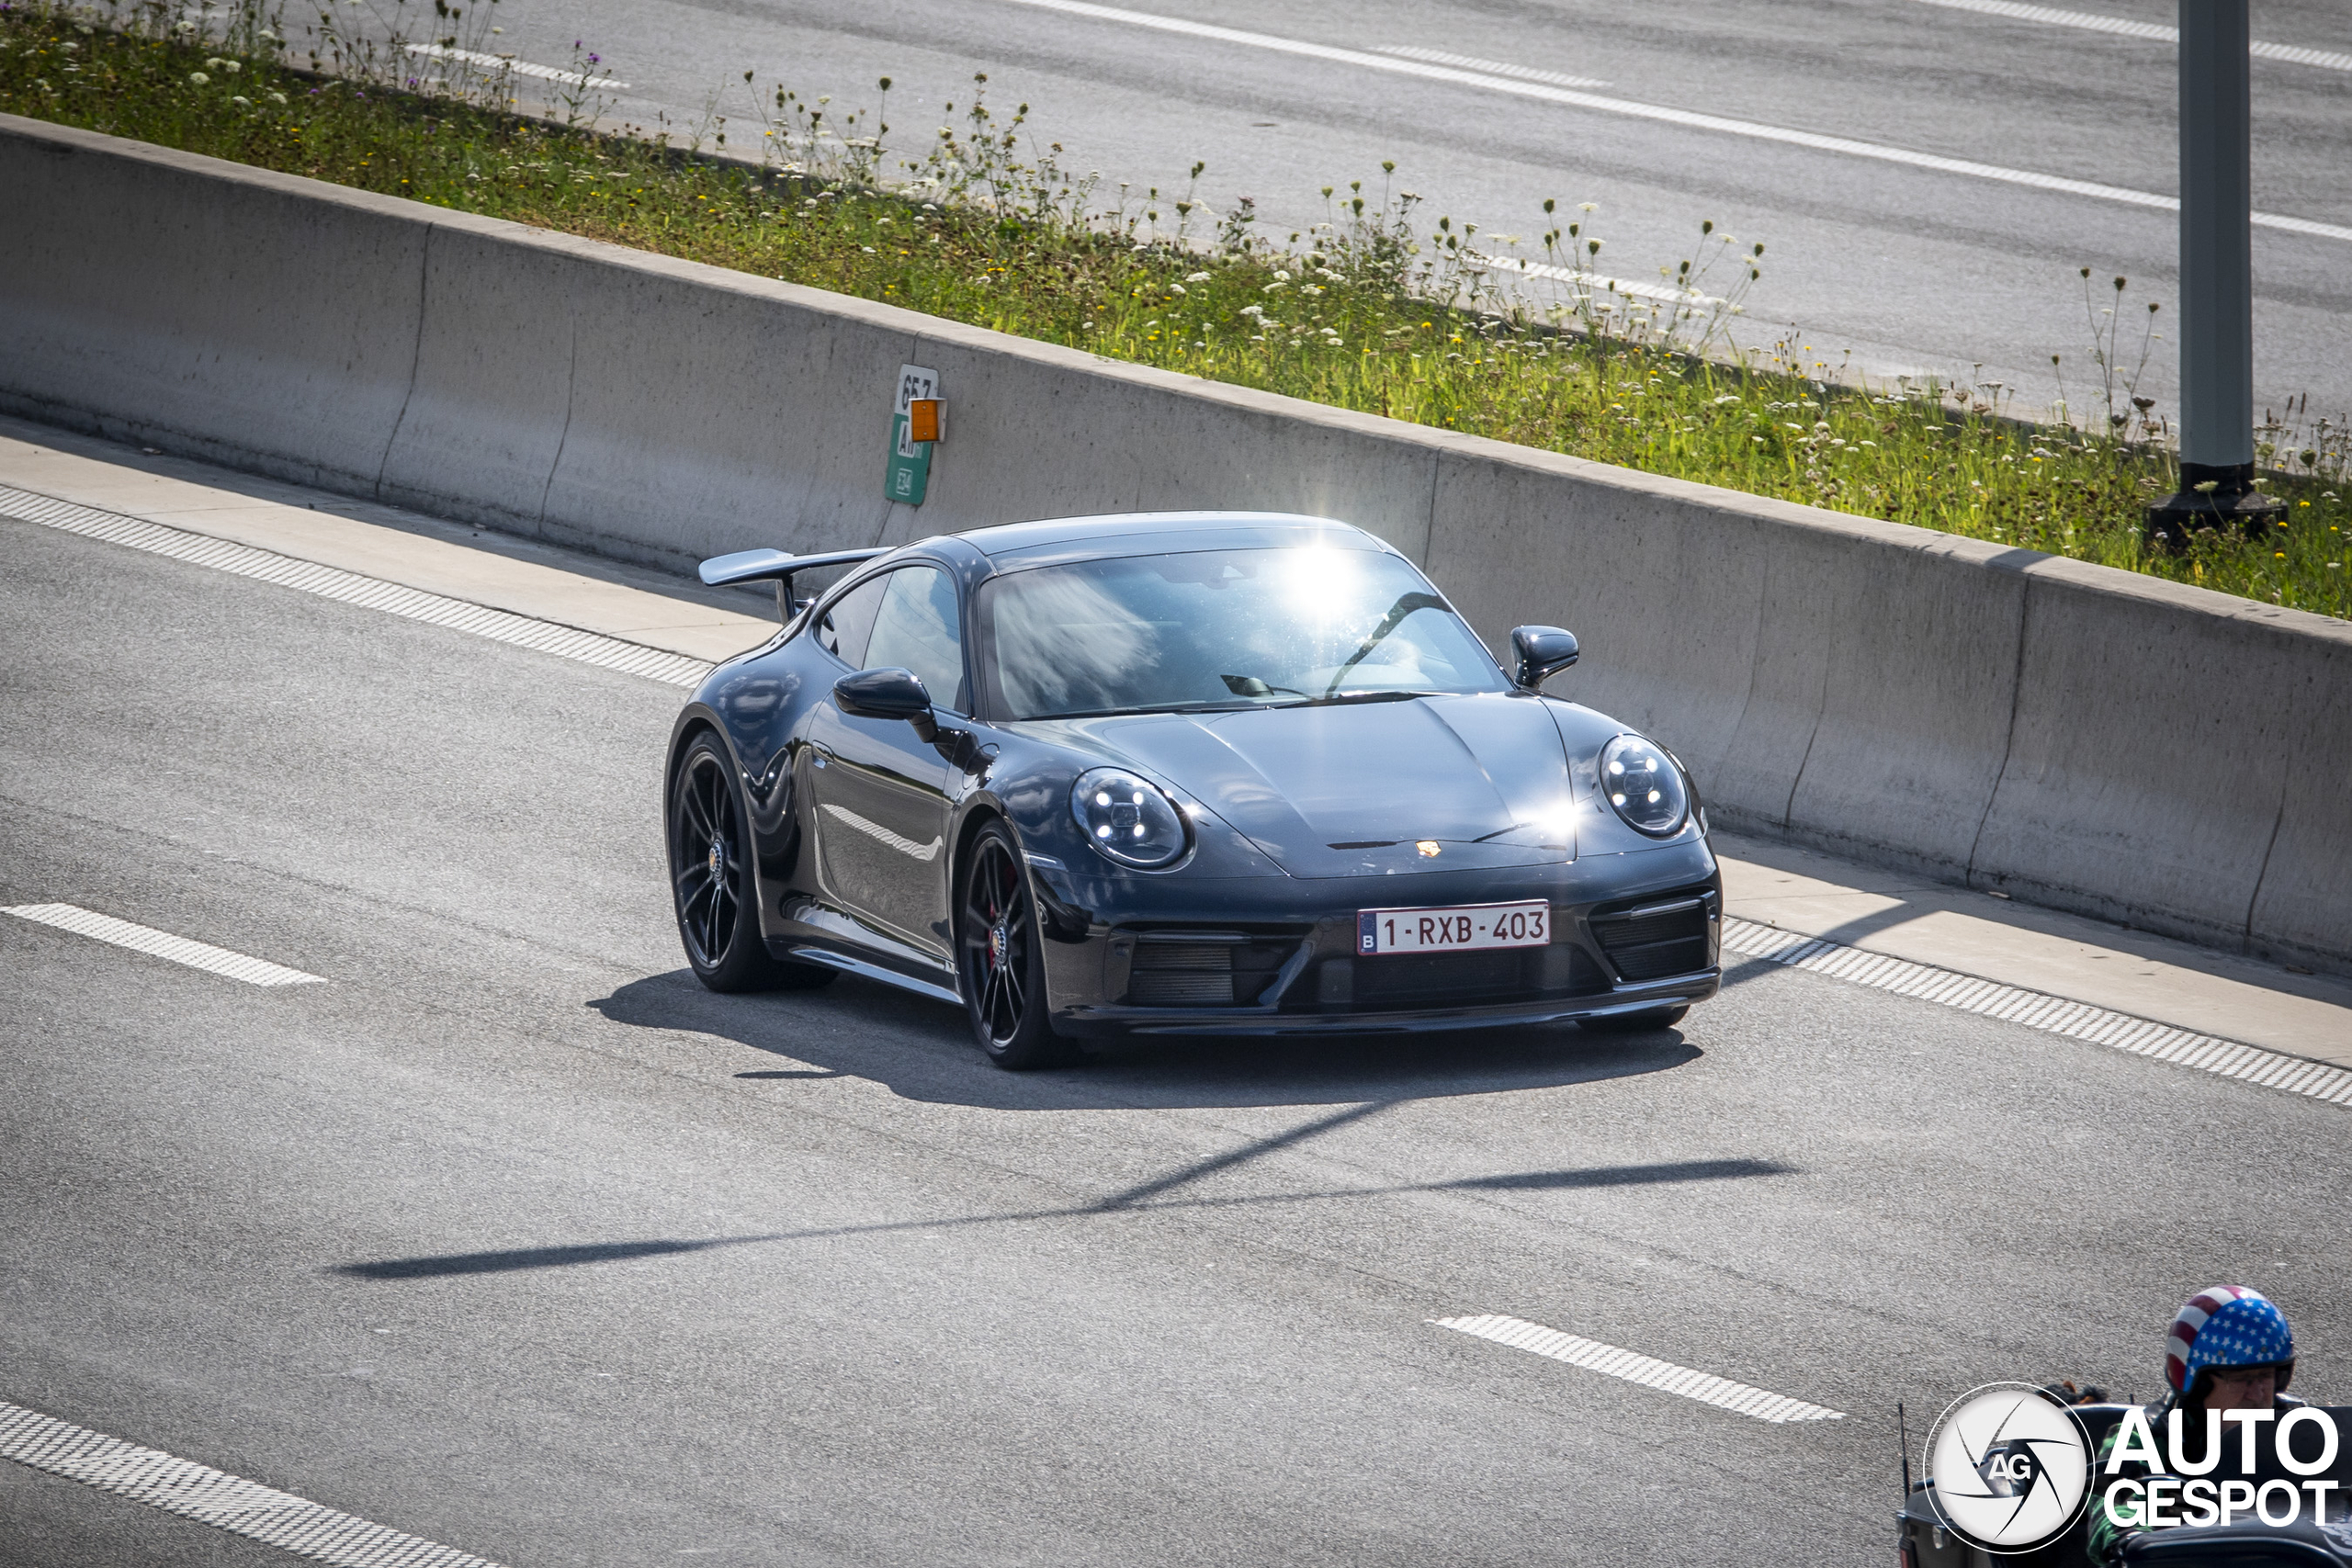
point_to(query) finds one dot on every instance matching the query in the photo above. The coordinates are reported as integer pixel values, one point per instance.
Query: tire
(1635, 1022)
(1000, 965)
(713, 886)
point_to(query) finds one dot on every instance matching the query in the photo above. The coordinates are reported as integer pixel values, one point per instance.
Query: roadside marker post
(2216, 280)
(907, 474)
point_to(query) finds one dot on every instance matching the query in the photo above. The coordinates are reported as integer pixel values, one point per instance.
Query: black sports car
(1214, 774)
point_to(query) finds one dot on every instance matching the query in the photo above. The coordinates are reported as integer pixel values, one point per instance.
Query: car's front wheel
(711, 880)
(1000, 965)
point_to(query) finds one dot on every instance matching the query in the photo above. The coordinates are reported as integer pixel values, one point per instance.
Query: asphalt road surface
(511, 1236)
(1921, 270)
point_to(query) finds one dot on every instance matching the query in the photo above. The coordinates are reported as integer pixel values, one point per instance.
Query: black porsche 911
(1213, 773)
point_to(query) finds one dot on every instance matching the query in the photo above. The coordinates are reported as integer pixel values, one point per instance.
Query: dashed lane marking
(2154, 31)
(1844, 145)
(2037, 1010)
(350, 587)
(162, 944)
(1616, 1361)
(494, 63)
(1492, 67)
(214, 1498)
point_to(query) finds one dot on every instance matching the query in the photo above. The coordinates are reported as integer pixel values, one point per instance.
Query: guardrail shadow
(923, 1051)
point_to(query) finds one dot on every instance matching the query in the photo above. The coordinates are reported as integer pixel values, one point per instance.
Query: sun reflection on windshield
(1224, 629)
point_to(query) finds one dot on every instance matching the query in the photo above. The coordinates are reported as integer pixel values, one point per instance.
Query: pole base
(2212, 497)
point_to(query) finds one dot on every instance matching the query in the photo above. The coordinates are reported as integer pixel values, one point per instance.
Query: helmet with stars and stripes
(2228, 1326)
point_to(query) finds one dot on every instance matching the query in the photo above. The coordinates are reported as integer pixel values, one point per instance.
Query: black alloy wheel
(999, 966)
(712, 882)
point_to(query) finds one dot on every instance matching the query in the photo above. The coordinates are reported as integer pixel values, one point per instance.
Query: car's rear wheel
(999, 966)
(711, 879)
(1636, 1022)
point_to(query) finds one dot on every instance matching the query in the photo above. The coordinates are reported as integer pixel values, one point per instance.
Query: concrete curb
(2087, 738)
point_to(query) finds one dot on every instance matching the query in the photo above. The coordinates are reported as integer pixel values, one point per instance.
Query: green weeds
(1373, 309)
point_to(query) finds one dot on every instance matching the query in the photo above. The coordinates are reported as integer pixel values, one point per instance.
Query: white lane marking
(2156, 31)
(214, 1498)
(1848, 146)
(2054, 1015)
(1587, 282)
(1492, 67)
(350, 587)
(494, 63)
(162, 944)
(904, 846)
(1635, 1368)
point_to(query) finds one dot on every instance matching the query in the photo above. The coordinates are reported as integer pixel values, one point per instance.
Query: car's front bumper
(1295, 937)
(1632, 998)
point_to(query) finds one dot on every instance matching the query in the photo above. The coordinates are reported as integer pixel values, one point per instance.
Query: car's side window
(847, 624)
(919, 628)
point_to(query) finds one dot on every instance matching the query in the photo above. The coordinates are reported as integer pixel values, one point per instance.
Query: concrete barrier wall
(2083, 737)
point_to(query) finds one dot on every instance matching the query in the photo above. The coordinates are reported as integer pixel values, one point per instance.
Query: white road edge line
(2154, 31)
(350, 587)
(2035, 1010)
(1878, 151)
(1635, 1368)
(1492, 67)
(162, 944)
(214, 1498)
(508, 62)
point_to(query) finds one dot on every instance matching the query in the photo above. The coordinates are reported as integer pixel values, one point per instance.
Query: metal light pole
(2216, 280)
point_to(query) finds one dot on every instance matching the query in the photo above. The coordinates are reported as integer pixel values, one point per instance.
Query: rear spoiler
(759, 566)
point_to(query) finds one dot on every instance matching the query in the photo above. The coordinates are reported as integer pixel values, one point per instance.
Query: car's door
(880, 790)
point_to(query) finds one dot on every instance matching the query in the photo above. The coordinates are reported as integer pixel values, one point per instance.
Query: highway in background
(508, 1235)
(1916, 269)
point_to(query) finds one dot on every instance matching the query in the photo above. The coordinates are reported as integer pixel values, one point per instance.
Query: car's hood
(1356, 788)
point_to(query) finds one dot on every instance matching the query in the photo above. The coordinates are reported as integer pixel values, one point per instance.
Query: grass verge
(988, 228)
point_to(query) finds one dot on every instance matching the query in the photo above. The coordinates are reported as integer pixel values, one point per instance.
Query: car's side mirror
(1543, 652)
(887, 694)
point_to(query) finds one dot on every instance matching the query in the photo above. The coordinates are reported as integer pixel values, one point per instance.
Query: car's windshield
(1223, 629)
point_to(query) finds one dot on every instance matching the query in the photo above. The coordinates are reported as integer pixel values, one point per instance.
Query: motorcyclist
(2229, 1349)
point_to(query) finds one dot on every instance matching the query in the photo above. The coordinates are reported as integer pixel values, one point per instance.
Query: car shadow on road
(922, 1050)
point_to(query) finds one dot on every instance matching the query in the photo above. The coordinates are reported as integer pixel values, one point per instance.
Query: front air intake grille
(1189, 972)
(1411, 982)
(1438, 979)
(1655, 940)
(1182, 975)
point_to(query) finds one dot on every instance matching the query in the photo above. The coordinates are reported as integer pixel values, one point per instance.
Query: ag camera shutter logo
(2010, 1466)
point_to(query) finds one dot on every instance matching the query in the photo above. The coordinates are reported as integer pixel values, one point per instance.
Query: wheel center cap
(717, 858)
(997, 939)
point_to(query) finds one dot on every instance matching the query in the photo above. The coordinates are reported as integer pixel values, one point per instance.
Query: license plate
(1464, 928)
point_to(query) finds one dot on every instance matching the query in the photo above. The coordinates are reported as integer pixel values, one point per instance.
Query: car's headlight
(1127, 818)
(1644, 786)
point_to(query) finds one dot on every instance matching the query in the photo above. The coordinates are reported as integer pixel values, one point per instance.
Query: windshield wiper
(1346, 699)
(1250, 686)
(1406, 605)
(1148, 707)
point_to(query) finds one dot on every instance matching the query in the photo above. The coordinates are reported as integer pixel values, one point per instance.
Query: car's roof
(1142, 533)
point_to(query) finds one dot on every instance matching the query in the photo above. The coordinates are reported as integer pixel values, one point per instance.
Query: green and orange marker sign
(907, 474)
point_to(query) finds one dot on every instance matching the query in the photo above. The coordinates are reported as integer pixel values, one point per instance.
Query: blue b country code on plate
(1462, 928)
